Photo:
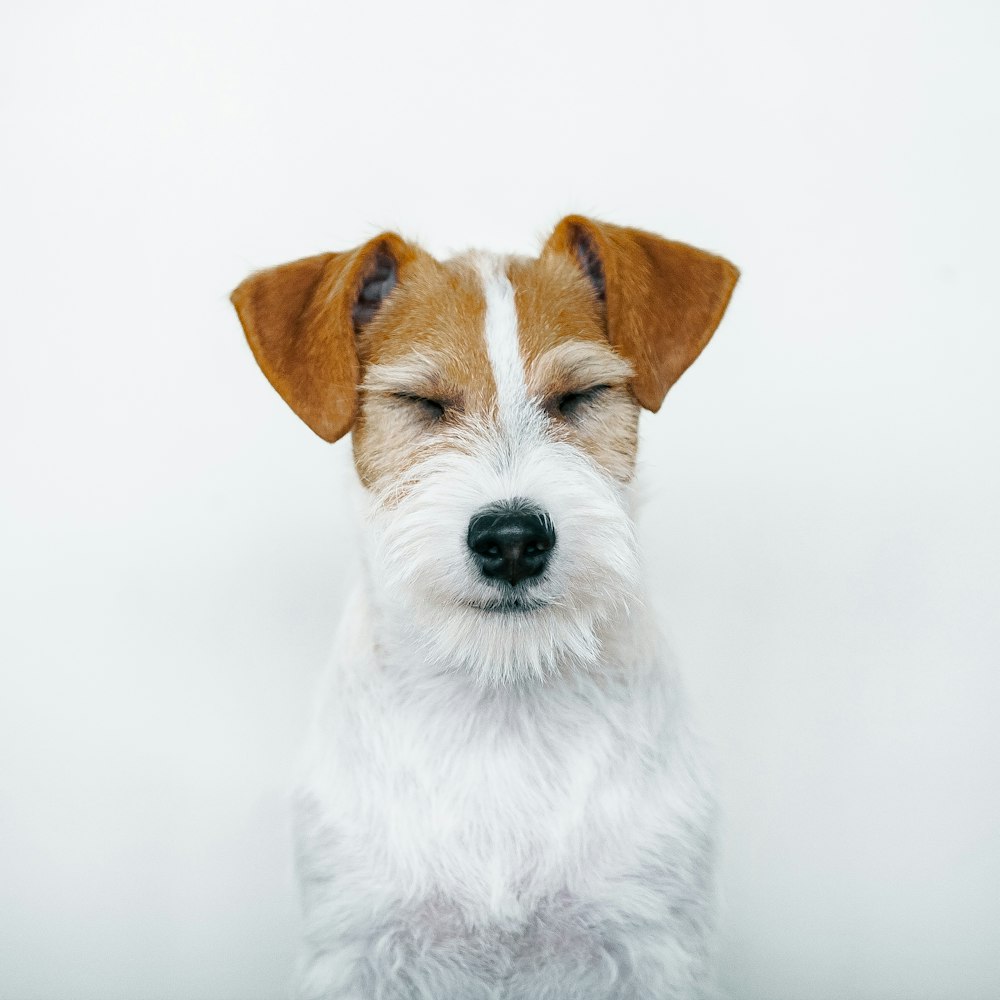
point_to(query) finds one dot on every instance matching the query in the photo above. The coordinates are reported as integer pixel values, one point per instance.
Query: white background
(823, 485)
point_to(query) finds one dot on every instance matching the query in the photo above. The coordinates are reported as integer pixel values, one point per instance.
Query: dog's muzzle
(511, 541)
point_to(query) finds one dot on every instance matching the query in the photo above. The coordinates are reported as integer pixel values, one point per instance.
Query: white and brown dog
(502, 797)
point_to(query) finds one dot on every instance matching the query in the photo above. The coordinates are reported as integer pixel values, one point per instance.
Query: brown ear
(663, 299)
(301, 320)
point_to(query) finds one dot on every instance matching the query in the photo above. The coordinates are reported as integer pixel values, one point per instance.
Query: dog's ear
(301, 321)
(662, 300)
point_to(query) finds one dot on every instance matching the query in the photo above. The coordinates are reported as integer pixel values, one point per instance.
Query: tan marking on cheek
(565, 349)
(606, 430)
(427, 341)
(611, 435)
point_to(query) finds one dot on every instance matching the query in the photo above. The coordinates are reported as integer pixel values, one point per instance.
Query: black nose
(511, 542)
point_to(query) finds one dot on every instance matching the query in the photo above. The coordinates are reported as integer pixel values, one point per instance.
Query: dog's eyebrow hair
(581, 360)
(418, 369)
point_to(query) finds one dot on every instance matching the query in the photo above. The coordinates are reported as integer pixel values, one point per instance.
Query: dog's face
(494, 405)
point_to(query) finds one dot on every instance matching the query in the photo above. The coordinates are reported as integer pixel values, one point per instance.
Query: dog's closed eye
(432, 410)
(569, 404)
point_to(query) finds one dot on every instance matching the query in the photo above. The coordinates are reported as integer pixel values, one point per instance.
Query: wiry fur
(424, 564)
(460, 839)
(501, 799)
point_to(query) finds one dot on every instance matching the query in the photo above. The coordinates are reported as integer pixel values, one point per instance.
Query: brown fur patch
(427, 342)
(298, 322)
(664, 299)
(565, 350)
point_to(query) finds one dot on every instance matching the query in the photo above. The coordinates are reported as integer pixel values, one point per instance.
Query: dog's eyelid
(435, 405)
(566, 403)
(446, 399)
(562, 400)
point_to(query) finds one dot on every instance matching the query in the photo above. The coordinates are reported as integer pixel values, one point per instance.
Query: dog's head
(494, 405)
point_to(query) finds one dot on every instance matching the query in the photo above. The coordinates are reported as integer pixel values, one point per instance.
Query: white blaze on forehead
(502, 341)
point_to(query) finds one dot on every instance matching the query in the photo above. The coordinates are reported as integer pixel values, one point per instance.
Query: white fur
(502, 343)
(502, 805)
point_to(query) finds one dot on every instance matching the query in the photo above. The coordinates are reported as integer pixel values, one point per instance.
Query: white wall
(822, 525)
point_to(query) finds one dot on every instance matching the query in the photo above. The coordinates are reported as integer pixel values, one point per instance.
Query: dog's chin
(506, 639)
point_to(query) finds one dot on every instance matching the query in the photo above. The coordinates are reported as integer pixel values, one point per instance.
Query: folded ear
(663, 300)
(301, 321)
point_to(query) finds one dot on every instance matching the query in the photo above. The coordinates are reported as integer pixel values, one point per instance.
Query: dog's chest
(492, 806)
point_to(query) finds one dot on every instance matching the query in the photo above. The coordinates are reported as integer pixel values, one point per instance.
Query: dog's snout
(511, 542)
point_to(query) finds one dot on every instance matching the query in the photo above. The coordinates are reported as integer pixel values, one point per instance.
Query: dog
(502, 797)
